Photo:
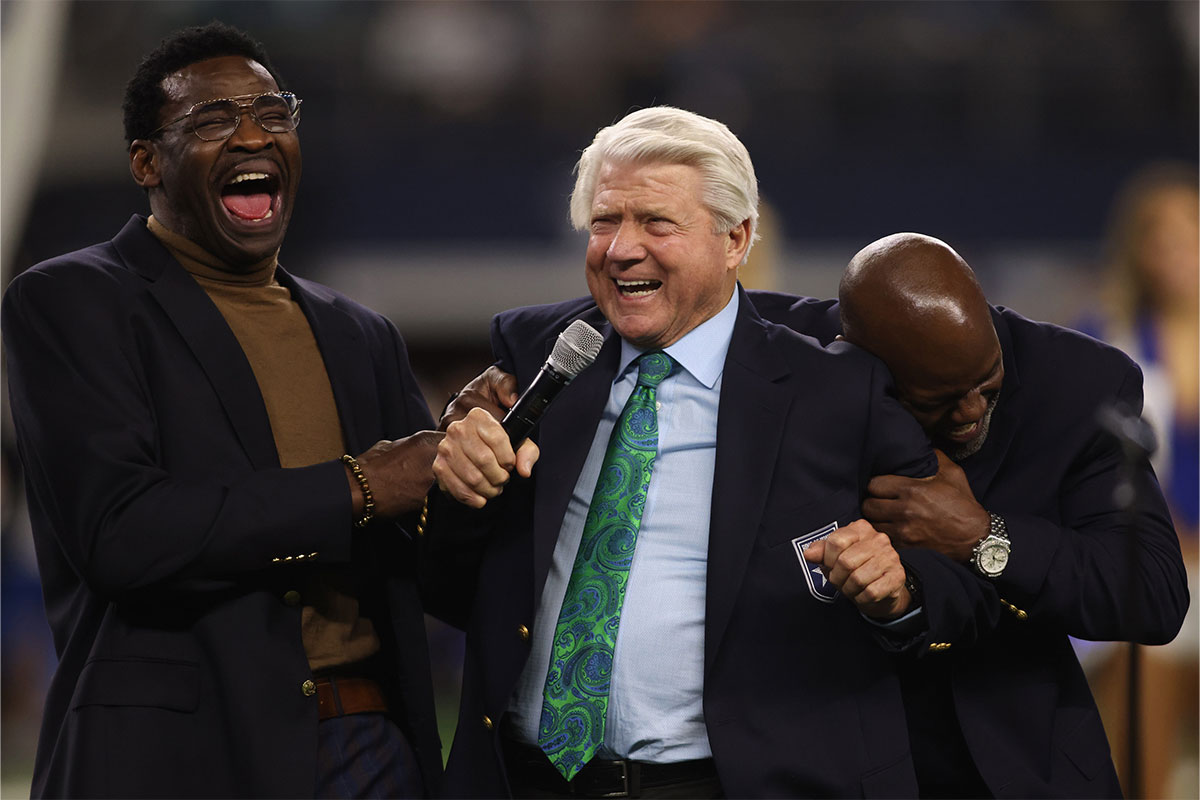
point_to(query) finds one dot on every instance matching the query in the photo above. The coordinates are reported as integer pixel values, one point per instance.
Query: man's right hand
(475, 459)
(493, 390)
(939, 512)
(398, 474)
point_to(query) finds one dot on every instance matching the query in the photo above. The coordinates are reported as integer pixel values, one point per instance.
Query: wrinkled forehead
(213, 78)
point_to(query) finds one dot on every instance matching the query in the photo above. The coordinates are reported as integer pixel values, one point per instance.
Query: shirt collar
(701, 351)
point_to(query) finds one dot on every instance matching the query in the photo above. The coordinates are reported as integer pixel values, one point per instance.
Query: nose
(970, 408)
(626, 244)
(249, 135)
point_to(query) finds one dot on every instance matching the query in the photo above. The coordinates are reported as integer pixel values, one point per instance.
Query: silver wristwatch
(990, 555)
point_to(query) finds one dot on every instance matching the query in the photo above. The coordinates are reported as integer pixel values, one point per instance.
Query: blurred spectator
(26, 649)
(1151, 309)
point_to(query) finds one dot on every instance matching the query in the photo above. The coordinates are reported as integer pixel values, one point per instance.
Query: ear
(143, 163)
(736, 244)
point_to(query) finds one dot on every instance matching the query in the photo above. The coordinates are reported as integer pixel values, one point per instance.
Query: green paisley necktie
(576, 694)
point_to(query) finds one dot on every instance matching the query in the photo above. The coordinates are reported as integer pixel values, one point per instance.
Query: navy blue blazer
(167, 535)
(800, 697)
(1079, 567)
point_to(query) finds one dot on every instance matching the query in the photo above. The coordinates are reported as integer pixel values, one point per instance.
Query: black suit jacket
(167, 535)
(1079, 565)
(800, 698)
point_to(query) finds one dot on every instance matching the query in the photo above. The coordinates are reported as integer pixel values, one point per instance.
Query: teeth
(637, 288)
(962, 430)
(250, 176)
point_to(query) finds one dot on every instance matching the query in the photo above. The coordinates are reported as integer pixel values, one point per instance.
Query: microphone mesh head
(576, 348)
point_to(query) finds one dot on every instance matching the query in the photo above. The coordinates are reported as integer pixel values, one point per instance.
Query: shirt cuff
(906, 626)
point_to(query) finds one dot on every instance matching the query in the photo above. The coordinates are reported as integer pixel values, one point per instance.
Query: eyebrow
(949, 397)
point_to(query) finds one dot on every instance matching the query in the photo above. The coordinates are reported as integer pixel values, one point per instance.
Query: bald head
(913, 302)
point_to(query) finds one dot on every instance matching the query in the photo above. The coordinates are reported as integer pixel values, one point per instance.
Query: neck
(199, 261)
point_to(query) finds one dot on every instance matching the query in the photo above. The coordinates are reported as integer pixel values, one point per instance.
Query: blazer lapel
(207, 335)
(981, 468)
(565, 437)
(347, 362)
(750, 424)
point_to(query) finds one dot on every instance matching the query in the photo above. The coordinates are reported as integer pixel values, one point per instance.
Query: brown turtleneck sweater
(279, 344)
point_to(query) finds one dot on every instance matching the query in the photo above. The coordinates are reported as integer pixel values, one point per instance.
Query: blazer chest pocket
(783, 525)
(787, 533)
(171, 685)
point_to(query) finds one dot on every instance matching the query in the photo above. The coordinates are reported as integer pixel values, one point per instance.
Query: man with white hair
(680, 599)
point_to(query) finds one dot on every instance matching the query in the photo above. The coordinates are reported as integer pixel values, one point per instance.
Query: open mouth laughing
(251, 197)
(963, 433)
(637, 288)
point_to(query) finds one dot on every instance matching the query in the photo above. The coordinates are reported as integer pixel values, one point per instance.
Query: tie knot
(653, 368)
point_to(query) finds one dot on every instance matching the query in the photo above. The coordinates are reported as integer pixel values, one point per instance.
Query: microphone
(574, 351)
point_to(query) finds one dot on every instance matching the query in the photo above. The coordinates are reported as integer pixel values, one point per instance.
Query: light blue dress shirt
(655, 707)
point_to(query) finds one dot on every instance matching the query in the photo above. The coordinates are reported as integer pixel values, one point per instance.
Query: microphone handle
(521, 418)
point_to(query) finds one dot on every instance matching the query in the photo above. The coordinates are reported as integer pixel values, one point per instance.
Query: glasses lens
(216, 120)
(277, 113)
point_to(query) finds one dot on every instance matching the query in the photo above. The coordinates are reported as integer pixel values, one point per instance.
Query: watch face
(993, 558)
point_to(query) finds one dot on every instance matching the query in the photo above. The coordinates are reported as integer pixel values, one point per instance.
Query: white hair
(667, 135)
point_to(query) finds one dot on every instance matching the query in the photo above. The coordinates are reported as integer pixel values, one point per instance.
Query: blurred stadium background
(440, 138)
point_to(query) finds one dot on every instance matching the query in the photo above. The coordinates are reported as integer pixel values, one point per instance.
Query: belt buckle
(630, 780)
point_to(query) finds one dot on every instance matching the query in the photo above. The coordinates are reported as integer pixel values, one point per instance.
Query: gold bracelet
(368, 498)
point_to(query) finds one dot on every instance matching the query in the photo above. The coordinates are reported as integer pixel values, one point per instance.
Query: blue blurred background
(440, 137)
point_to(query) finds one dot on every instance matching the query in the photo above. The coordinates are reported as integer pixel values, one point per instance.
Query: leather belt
(528, 767)
(340, 696)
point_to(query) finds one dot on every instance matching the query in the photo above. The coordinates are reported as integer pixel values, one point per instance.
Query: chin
(250, 250)
(957, 451)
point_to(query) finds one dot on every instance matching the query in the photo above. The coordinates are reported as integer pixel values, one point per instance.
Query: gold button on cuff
(523, 633)
(308, 688)
(1018, 613)
(938, 647)
(424, 520)
(487, 722)
(291, 597)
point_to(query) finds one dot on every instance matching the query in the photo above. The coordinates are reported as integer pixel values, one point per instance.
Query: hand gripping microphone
(575, 350)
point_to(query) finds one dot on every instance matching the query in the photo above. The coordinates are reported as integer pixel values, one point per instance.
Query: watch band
(997, 526)
(913, 584)
(990, 555)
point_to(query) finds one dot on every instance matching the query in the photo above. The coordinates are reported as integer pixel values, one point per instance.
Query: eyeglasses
(214, 120)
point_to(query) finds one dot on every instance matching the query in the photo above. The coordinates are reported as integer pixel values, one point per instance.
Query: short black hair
(144, 95)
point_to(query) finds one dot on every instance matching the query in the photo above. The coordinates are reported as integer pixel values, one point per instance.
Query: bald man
(1025, 498)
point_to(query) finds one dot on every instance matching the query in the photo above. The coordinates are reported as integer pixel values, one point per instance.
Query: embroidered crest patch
(818, 584)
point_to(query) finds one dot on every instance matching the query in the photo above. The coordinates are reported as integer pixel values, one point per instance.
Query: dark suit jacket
(1078, 566)
(167, 535)
(799, 697)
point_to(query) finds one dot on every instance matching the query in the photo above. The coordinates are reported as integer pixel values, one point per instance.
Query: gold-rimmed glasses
(214, 120)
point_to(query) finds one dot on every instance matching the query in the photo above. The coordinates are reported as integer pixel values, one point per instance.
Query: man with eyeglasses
(231, 592)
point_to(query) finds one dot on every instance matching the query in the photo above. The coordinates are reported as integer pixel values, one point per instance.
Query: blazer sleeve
(957, 606)
(455, 536)
(1104, 573)
(87, 432)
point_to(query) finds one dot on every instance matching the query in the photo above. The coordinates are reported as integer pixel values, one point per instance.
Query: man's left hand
(862, 563)
(939, 512)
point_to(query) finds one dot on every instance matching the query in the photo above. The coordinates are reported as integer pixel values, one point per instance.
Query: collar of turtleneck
(201, 263)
